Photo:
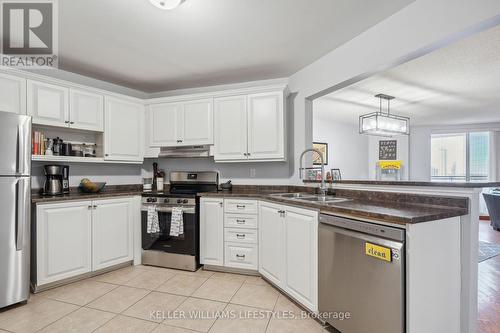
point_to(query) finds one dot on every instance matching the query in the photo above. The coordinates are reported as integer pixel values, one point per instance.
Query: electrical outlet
(252, 173)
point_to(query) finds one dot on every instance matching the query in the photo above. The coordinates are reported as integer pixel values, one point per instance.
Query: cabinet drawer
(240, 235)
(240, 206)
(240, 255)
(240, 221)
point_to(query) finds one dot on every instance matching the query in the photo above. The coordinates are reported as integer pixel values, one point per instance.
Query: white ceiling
(206, 42)
(458, 84)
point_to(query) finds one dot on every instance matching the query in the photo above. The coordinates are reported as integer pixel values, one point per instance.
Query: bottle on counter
(155, 172)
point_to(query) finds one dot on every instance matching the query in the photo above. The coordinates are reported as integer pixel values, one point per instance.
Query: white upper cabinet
(112, 232)
(197, 123)
(54, 105)
(266, 126)
(48, 103)
(164, 122)
(250, 127)
(86, 110)
(230, 126)
(181, 123)
(12, 94)
(123, 130)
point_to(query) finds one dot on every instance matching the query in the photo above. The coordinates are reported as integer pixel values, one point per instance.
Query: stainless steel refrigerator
(15, 202)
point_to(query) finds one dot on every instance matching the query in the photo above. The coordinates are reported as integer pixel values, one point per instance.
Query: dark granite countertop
(396, 208)
(390, 211)
(75, 194)
(411, 183)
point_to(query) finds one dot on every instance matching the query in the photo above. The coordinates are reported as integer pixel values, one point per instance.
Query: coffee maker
(56, 180)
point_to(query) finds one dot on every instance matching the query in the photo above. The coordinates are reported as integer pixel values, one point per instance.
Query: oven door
(185, 243)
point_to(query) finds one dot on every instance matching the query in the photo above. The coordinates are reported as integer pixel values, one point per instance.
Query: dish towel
(153, 226)
(177, 222)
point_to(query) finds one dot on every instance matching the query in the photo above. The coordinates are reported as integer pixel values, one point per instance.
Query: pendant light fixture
(384, 124)
(166, 4)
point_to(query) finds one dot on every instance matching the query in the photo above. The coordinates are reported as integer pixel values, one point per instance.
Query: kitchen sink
(328, 199)
(311, 197)
(295, 195)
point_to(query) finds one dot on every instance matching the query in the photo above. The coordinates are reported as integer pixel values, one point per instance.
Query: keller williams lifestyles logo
(29, 34)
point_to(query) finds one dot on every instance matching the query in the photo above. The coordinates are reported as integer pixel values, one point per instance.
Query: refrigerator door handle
(21, 212)
(18, 149)
(23, 140)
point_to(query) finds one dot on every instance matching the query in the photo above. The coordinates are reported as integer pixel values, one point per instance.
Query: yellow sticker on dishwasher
(377, 251)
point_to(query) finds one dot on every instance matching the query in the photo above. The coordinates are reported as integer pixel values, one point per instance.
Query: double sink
(308, 197)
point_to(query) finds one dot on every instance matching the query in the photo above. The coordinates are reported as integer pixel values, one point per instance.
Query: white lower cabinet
(112, 234)
(228, 238)
(241, 255)
(301, 255)
(212, 231)
(272, 243)
(78, 237)
(63, 241)
(288, 250)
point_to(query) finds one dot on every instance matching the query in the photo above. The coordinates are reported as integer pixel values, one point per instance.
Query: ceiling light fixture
(166, 4)
(384, 124)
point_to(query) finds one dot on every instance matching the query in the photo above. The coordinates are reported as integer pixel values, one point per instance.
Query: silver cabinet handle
(95, 207)
(240, 206)
(71, 122)
(240, 256)
(240, 236)
(89, 207)
(221, 204)
(240, 221)
(66, 122)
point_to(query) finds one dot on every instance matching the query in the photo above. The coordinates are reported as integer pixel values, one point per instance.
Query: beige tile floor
(159, 300)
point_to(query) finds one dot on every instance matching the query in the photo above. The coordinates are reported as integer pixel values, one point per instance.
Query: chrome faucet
(322, 189)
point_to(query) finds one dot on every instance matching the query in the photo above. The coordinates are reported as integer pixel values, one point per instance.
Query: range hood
(184, 152)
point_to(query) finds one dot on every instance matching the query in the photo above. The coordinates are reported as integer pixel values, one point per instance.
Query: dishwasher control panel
(364, 227)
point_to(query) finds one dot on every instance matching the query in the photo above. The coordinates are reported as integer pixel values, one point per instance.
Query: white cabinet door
(149, 150)
(48, 103)
(112, 232)
(230, 127)
(86, 110)
(165, 124)
(197, 123)
(123, 133)
(212, 231)
(301, 256)
(12, 94)
(63, 241)
(266, 126)
(271, 243)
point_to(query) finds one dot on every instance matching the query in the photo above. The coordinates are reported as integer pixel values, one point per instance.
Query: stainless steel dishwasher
(361, 272)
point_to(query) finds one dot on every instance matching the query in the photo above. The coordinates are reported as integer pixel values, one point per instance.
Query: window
(460, 157)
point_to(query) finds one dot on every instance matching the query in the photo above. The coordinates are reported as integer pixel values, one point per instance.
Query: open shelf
(76, 159)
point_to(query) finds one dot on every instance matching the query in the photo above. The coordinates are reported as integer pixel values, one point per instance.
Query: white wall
(112, 174)
(347, 149)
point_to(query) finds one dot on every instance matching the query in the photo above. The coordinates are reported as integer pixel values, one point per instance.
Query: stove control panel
(171, 201)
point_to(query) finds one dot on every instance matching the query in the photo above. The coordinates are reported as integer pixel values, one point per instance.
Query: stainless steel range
(181, 251)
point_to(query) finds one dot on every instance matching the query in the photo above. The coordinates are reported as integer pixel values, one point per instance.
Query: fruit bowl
(88, 186)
